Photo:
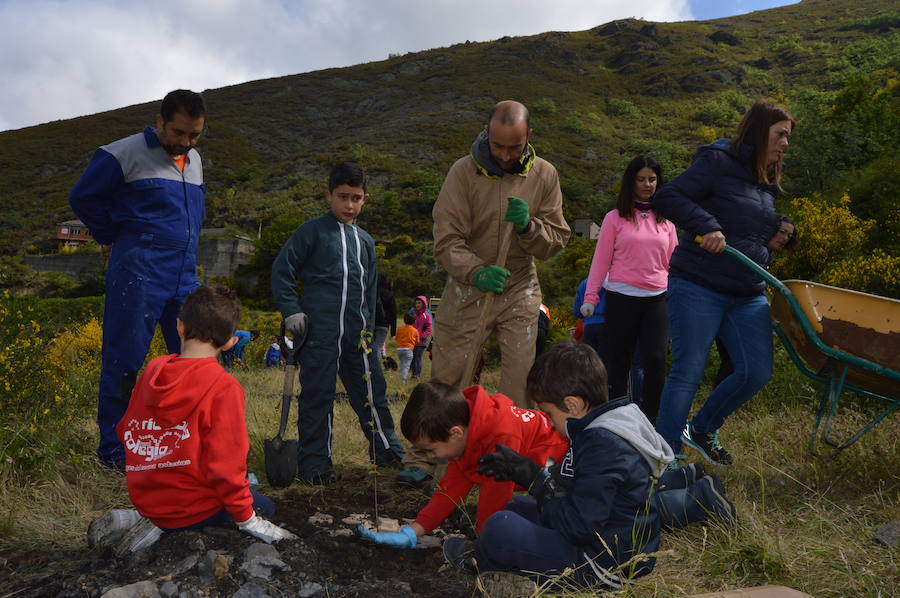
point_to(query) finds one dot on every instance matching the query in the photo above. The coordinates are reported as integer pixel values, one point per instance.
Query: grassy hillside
(598, 97)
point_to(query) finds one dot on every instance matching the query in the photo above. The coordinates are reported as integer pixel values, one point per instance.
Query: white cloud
(65, 58)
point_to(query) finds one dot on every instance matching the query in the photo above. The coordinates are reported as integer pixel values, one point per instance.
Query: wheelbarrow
(847, 340)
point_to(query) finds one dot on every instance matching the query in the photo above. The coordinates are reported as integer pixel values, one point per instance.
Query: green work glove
(517, 213)
(490, 278)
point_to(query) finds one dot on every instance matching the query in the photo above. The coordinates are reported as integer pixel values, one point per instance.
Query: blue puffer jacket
(608, 475)
(719, 191)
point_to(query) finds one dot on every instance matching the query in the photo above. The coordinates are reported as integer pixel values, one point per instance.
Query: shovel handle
(486, 307)
(290, 372)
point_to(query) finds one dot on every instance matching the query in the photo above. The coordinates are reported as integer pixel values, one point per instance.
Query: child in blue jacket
(335, 261)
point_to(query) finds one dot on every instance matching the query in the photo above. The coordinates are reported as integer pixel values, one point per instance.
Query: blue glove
(405, 538)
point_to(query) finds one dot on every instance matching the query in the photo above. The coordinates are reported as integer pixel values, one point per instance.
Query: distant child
(461, 427)
(600, 509)
(335, 261)
(186, 439)
(407, 338)
(244, 337)
(423, 324)
(273, 353)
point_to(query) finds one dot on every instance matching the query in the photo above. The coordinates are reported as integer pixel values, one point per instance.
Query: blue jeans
(515, 540)
(261, 503)
(696, 316)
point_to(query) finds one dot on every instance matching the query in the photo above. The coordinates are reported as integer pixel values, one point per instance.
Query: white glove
(587, 309)
(296, 323)
(265, 530)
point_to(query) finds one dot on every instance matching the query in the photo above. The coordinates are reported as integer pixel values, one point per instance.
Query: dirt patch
(326, 561)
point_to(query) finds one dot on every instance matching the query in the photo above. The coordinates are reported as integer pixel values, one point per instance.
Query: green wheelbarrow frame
(879, 382)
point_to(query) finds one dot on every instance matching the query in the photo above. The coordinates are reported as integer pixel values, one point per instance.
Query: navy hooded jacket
(614, 458)
(720, 192)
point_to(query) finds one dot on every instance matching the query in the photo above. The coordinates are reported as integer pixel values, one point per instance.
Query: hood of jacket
(481, 153)
(177, 385)
(484, 409)
(626, 420)
(424, 301)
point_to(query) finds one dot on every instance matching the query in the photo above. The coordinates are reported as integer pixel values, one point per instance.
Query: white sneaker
(108, 528)
(142, 534)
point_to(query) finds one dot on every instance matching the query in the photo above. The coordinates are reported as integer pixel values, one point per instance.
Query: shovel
(281, 454)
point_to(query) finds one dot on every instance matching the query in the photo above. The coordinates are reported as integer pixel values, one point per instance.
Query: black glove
(506, 465)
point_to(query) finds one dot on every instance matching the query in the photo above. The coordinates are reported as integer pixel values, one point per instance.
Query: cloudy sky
(66, 58)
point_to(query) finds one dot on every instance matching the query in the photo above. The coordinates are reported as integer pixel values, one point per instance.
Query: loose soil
(343, 565)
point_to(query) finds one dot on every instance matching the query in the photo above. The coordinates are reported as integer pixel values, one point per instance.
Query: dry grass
(805, 522)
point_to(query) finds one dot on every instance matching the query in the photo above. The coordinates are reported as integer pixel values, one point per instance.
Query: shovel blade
(281, 461)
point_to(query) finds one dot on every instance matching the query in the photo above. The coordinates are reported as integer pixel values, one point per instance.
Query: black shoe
(717, 504)
(708, 445)
(321, 479)
(390, 459)
(459, 553)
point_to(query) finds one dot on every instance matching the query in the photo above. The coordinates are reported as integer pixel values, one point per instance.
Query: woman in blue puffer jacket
(727, 194)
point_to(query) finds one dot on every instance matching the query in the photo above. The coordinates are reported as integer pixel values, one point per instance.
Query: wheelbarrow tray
(847, 340)
(860, 324)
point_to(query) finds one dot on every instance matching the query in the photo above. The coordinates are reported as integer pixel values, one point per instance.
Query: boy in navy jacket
(335, 261)
(601, 512)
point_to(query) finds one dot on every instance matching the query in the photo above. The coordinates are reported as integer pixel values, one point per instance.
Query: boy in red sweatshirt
(185, 436)
(461, 427)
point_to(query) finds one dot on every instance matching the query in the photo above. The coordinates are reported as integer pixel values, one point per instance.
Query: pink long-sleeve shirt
(634, 252)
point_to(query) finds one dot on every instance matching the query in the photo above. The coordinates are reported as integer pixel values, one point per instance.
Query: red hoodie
(493, 419)
(186, 443)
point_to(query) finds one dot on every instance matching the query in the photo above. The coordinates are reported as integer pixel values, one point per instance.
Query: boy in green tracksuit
(335, 261)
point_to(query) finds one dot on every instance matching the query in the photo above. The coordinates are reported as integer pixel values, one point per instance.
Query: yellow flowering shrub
(877, 273)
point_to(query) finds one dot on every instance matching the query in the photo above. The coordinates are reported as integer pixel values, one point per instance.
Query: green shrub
(621, 107)
(544, 106)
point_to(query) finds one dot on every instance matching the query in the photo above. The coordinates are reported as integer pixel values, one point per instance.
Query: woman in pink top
(632, 262)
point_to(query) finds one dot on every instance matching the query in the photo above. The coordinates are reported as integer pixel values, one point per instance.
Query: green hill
(597, 97)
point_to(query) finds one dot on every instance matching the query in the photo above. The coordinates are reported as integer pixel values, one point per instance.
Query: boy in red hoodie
(185, 436)
(445, 423)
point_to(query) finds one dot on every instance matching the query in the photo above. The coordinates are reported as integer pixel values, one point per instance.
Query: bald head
(508, 133)
(509, 113)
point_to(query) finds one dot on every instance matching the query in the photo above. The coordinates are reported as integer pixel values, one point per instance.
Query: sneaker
(677, 463)
(414, 477)
(719, 506)
(505, 584)
(681, 476)
(708, 445)
(139, 536)
(108, 528)
(459, 553)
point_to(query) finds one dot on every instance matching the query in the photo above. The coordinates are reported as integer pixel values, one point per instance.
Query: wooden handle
(480, 336)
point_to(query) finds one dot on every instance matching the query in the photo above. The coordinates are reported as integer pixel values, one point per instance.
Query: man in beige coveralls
(470, 214)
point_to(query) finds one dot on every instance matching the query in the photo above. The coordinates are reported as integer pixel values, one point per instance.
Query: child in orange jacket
(407, 339)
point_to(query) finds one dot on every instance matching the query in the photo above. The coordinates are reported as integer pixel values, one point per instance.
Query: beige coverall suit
(468, 220)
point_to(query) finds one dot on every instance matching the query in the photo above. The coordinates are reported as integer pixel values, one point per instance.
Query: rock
(386, 524)
(260, 560)
(650, 30)
(354, 518)
(310, 589)
(723, 37)
(889, 534)
(763, 63)
(168, 590)
(141, 589)
(195, 542)
(185, 564)
(211, 566)
(320, 519)
(251, 590)
(613, 27)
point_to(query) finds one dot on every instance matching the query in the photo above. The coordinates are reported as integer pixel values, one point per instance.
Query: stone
(889, 534)
(260, 560)
(186, 564)
(321, 519)
(387, 524)
(723, 37)
(168, 590)
(211, 566)
(251, 590)
(141, 589)
(310, 589)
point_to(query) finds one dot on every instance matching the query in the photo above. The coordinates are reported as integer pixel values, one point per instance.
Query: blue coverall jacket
(134, 197)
